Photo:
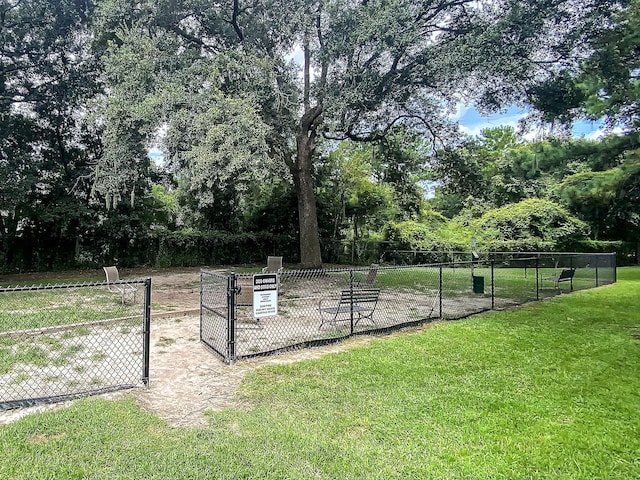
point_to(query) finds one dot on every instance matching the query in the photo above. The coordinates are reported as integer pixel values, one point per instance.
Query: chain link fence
(216, 330)
(59, 342)
(316, 307)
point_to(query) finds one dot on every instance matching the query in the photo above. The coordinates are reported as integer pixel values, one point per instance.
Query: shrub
(192, 248)
(540, 222)
(411, 235)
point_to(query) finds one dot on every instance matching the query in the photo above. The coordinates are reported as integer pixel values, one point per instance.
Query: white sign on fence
(265, 295)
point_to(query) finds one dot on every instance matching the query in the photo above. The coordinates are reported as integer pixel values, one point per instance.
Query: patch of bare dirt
(187, 379)
(172, 289)
(175, 291)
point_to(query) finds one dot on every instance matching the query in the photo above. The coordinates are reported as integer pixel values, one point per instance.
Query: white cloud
(475, 127)
(461, 111)
(532, 135)
(472, 123)
(601, 132)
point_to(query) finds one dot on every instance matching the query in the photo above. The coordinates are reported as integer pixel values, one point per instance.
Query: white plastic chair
(113, 279)
(274, 265)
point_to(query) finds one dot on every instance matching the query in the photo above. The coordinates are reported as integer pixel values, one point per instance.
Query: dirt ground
(186, 379)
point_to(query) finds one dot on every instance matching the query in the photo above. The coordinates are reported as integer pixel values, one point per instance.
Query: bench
(566, 275)
(361, 302)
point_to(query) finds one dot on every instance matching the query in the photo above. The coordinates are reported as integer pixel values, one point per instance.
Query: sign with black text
(265, 295)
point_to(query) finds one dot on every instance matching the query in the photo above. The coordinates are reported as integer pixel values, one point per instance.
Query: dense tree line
(308, 128)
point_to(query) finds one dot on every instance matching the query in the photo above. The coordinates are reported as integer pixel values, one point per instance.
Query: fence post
(493, 290)
(351, 299)
(440, 294)
(597, 259)
(615, 267)
(232, 292)
(146, 343)
(201, 297)
(537, 277)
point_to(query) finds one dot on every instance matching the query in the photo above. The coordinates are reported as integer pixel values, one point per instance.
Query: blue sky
(472, 123)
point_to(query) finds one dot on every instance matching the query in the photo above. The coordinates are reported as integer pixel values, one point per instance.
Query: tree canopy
(605, 84)
(320, 121)
(366, 68)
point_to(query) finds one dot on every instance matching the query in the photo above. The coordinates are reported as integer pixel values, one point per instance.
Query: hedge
(156, 249)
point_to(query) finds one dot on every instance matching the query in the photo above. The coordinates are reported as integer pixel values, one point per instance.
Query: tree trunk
(302, 168)
(310, 255)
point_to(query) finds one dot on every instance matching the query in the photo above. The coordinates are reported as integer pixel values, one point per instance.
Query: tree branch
(306, 74)
(324, 69)
(309, 120)
(234, 20)
(381, 134)
(187, 36)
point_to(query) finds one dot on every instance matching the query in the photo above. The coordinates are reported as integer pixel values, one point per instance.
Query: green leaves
(529, 225)
(607, 199)
(228, 152)
(532, 218)
(604, 84)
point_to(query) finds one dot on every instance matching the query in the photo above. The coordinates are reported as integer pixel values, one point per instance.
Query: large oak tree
(365, 66)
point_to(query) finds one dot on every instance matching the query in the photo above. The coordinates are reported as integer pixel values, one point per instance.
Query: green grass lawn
(509, 282)
(23, 310)
(549, 390)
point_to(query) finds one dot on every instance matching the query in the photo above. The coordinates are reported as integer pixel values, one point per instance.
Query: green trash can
(478, 284)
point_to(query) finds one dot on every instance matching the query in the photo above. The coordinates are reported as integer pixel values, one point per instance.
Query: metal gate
(216, 308)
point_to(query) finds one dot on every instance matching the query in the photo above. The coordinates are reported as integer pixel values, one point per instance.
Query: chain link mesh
(590, 270)
(321, 306)
(62, 341)
(214, 312)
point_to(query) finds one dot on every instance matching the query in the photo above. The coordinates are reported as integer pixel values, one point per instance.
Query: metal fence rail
(322, 306)
(59, 342)
(423, 257)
